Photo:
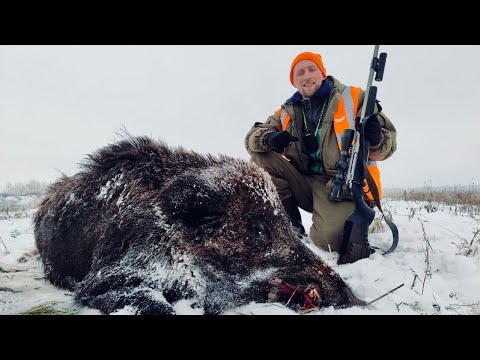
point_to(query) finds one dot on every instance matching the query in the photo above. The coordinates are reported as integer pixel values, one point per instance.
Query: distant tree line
(32, 187)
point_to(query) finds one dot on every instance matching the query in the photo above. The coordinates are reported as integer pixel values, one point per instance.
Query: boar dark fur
(145, 225)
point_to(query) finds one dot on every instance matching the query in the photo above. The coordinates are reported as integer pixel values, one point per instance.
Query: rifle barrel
(370, 79)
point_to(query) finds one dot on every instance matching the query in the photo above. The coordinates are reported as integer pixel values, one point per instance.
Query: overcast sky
(59, 103)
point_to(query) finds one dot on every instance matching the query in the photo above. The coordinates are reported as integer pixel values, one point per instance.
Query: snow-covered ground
(432, 262)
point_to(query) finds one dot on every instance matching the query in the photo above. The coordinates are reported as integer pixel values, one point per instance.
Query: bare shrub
(16, 207)
(17, 198)
(470, 247)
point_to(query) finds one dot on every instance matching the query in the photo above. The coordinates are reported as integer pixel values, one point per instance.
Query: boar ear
(192, 201)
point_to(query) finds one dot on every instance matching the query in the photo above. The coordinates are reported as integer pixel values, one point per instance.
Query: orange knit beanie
(316, 58)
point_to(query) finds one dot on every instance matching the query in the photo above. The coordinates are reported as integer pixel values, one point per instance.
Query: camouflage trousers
(311, 194)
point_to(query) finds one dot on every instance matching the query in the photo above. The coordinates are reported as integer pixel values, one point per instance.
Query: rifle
(353, 160)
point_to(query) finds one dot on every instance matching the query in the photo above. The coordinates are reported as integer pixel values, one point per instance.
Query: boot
(293, 213)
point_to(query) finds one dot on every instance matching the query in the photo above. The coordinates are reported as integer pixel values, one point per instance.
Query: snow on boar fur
(145, 225)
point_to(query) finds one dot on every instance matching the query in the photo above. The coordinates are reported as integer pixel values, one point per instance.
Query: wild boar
(145, 225)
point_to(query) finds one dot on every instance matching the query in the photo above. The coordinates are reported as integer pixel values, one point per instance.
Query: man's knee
(263, 159)
(270, 162)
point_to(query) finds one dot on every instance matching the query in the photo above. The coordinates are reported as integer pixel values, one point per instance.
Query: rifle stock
(354, 244)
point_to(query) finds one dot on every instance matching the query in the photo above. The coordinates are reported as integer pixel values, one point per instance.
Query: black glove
(373, 131)
(279, 140)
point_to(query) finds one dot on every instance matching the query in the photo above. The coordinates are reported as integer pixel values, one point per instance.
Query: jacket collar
(321, 93)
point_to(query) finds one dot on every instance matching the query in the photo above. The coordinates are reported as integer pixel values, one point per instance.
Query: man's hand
(373, 131)
(280, 140)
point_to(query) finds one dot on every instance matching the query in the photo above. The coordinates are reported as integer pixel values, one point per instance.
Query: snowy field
(437, 261)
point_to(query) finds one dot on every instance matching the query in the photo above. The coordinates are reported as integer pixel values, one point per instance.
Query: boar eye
(260, 231)
(190, 200)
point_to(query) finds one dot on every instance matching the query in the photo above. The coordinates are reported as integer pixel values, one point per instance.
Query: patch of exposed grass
(49, 309)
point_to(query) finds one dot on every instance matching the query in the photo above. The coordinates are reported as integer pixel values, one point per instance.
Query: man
(299, 147)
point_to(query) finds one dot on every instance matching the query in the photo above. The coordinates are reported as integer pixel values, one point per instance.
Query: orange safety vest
(284, 118)
(344, 118)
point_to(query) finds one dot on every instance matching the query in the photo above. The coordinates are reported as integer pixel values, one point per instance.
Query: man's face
(307, 77)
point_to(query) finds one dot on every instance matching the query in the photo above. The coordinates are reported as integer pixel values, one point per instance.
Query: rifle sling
(374, 190)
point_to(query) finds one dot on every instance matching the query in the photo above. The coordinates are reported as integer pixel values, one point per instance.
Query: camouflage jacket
(296, 153)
